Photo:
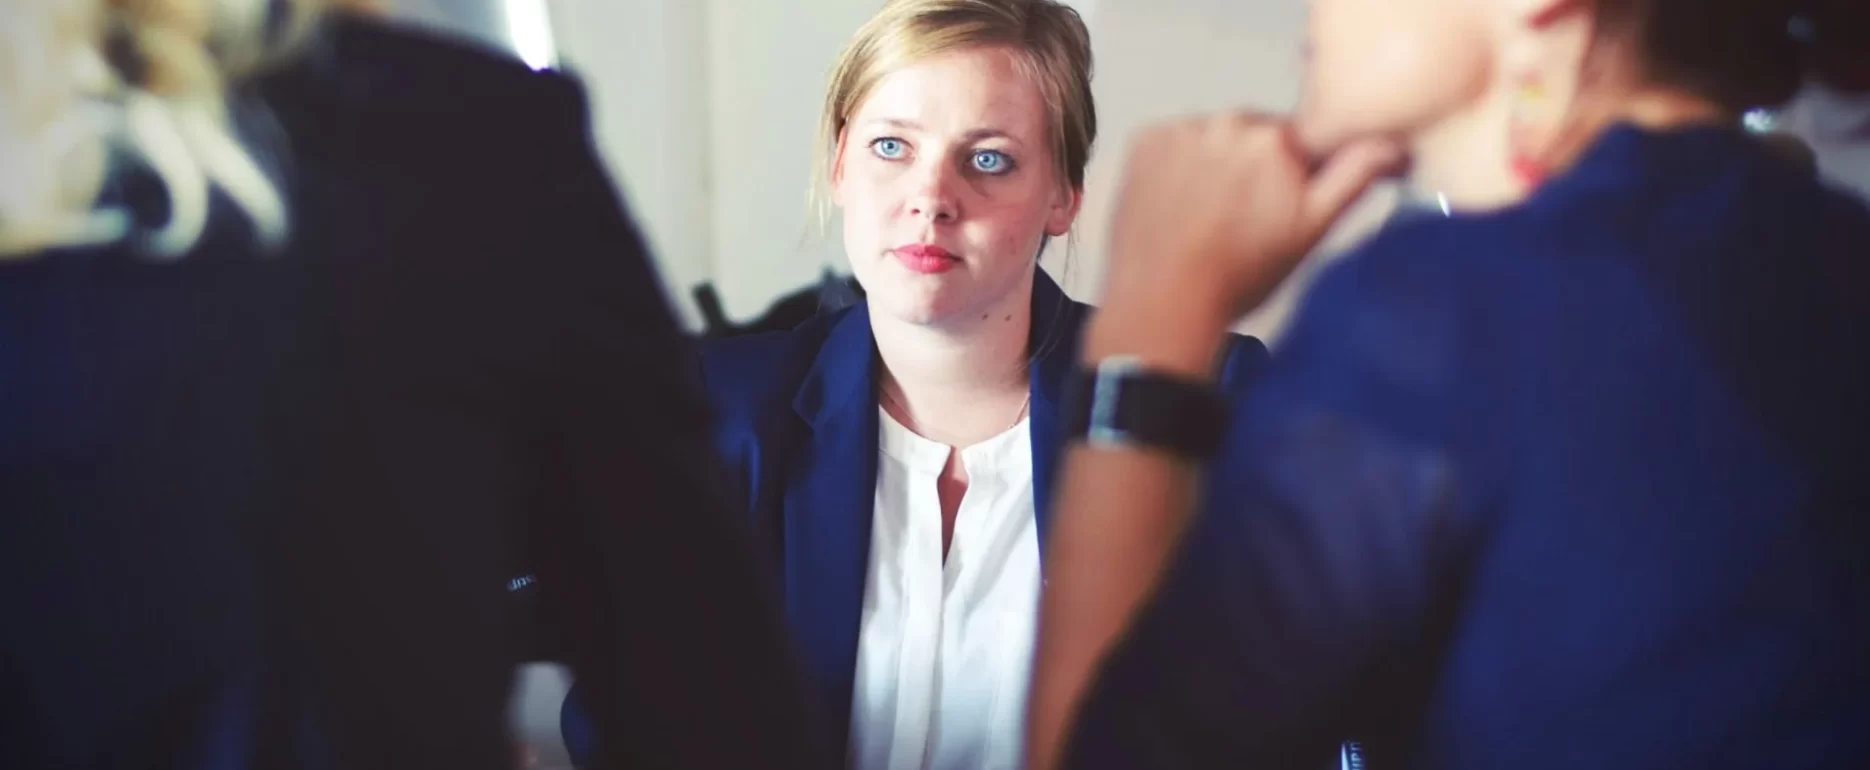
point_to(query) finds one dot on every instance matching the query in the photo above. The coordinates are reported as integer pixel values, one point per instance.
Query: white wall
(644, 63)
(706, 109)
(767, 64)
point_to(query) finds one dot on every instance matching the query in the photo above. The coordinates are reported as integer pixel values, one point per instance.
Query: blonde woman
(312, 334)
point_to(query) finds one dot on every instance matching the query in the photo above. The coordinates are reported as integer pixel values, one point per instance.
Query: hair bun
(1839, 44)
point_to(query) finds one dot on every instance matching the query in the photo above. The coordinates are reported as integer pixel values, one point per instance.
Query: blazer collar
(843, 374)
(1056, 322)
(838, 393)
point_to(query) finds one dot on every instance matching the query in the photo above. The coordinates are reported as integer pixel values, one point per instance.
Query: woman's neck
(959, 383)
(1466, 159)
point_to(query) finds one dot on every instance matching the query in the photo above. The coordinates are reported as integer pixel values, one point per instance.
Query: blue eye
(992, 162)
(888, 147)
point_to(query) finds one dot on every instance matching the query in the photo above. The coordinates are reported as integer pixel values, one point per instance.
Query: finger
(1343, 179)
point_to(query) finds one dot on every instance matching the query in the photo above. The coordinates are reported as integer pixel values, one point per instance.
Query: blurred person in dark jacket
(1571, 478)
(313, 334)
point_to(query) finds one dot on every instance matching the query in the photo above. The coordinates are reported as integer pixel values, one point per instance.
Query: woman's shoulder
(1429, 261)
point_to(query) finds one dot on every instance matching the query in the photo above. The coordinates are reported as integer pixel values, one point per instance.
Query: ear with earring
(1531, 121)
(1547, 63)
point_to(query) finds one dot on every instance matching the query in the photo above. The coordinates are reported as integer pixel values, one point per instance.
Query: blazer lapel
(830, 491)
(1056, 323)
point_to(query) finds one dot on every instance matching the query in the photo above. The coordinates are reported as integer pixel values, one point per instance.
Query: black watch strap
(1121, 403)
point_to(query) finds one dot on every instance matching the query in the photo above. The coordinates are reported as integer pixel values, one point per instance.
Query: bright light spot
(531, 30)
(1758, 120)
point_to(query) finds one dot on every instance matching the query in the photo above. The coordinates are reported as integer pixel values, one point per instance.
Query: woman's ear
(1554, 64)
(1549, 46)
(1064, 211)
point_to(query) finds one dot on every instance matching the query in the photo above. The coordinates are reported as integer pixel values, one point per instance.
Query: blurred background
(705, 111)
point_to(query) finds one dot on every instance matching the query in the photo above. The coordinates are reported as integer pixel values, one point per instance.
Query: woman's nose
(933, 197)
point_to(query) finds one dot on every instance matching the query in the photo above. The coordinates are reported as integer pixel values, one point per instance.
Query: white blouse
(945, 649)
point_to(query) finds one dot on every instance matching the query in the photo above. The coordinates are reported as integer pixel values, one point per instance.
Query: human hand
(1214, 212)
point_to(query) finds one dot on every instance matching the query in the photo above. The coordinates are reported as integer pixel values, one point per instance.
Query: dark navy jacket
(262, 510)
(1582, 483)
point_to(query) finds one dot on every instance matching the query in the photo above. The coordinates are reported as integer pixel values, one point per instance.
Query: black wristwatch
(1122, 403)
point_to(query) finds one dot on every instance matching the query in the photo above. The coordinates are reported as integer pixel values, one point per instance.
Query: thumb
(1343, 178)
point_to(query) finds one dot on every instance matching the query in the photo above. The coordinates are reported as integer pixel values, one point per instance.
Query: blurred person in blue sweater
(1574, 477)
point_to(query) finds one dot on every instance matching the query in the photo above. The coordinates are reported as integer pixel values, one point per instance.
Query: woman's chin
(918, 308)
(920, 316)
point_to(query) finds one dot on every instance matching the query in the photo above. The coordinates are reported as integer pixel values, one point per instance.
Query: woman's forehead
(973, 91)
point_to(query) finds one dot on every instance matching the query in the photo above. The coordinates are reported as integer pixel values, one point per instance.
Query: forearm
(1127, 510)
(1213, 213)
(1121, 513)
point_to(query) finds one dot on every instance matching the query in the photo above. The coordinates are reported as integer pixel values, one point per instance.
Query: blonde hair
(83, 79)
(1050, 40)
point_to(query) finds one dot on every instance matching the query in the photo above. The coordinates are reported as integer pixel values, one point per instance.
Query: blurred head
(1495, 82)
(954, 139)
(83, 79)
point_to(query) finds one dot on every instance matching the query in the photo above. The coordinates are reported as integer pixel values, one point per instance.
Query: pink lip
(926, 258)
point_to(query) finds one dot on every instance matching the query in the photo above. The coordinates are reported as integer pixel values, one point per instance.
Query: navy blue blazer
(1581, 483)
(796, 419)
(798, 428)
